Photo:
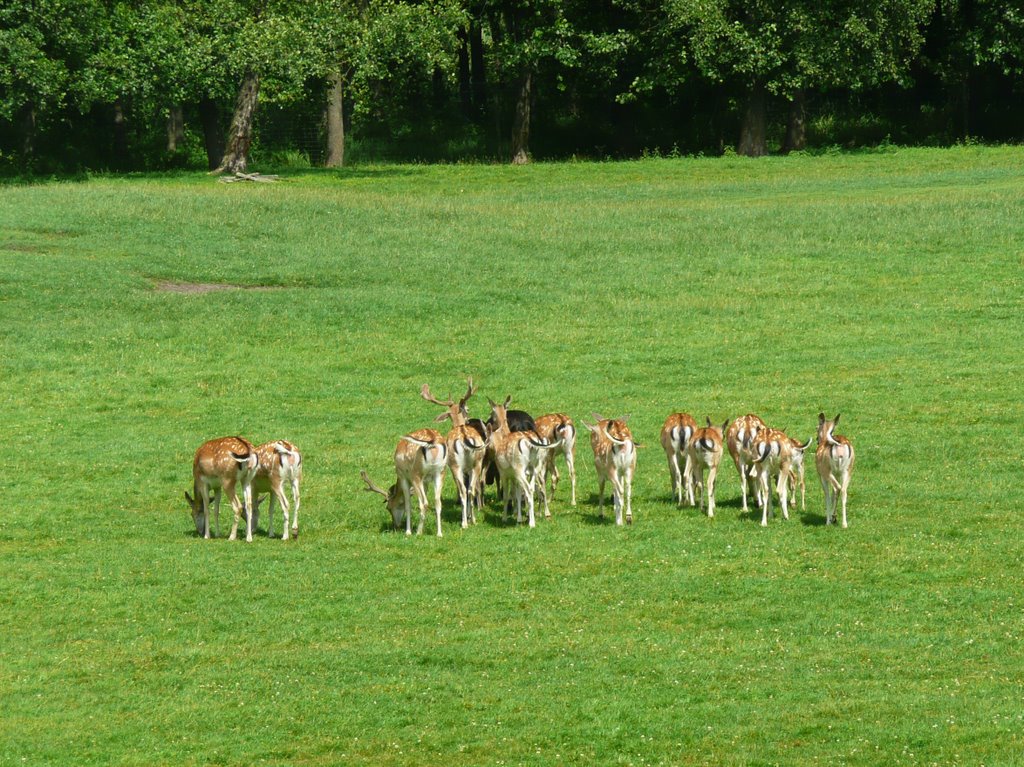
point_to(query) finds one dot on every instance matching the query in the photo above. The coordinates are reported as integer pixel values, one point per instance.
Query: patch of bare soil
(195, 288)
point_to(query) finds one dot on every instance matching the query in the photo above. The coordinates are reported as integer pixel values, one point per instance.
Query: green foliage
(886, 287)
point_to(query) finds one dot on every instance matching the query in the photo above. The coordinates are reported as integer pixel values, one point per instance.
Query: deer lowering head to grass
(223, 465)
(834, 458)
(704, 453)
(516, 459)
(466, 450)
(280, 464)
(676, 434)
(615, 460)
(420, 460)
(558, 427)
(771, 456)
(738, 438)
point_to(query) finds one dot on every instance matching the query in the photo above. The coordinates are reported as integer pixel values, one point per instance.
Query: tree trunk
(120, 159)
(465, 87)
(477, 74)
(335, 124)
(753, 130)
(236, 156)
(175, 128)
(213, 133)
(796, 128)
(28, 131)
(521, 120)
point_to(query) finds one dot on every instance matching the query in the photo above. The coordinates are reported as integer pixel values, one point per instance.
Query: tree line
(139, 84)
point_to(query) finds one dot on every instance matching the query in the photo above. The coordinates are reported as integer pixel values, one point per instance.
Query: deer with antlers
(222, 465)
(280, 464)
(738, 438)
(420, 460)
(834, 458)
(517, 458)
(615, 460)
(705, 453)
(553, 427)
(676, 434)
(466, 449)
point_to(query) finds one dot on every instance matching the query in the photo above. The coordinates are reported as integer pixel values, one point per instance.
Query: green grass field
(887, 287)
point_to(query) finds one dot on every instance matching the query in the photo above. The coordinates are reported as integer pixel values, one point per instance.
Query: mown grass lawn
(886, 287)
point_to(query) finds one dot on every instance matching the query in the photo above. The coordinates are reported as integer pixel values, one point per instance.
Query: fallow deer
(516, 459)
(558, 426)
(615, 460)
(465, 450)
(771, 455)
(796, 474)
(420, 460)
(679, 428)
(280, 463)
(738, 437)
(705, 453)
(834, 458)
(222, 465)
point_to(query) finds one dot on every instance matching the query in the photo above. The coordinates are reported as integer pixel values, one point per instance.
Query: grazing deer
(614, 459)
(420, 460)
(705, 452)
(516, 459)
(465, 450)
(738, 438)
(280, 463)
(222, 465)
(552, 427)
(796, 474)
(679, 428)
(834, 458)
(771, 455)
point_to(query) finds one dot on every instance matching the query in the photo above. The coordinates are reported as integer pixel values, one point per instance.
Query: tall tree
(787, 47)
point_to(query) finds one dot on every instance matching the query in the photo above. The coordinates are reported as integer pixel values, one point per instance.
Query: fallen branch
(249, 177)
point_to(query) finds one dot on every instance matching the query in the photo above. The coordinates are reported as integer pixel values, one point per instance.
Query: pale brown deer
(280, 464)
(466, 450)
(223, 465)
(555, 427)
(420, 460)
(771, 456)
(516, 458)
(738, 437)
(704, 453)
(615, 460)
(834, 458)
(676, 434)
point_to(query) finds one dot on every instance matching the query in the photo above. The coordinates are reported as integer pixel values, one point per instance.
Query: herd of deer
(518, 453)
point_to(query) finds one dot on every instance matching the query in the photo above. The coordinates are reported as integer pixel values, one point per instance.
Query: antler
(425, 393)
(370, 487)
(469, 392)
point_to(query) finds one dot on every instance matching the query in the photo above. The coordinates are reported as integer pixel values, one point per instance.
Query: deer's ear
(835, 420)
(443, 417)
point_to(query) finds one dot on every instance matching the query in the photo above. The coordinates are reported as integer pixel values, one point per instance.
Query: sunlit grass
(885, 287)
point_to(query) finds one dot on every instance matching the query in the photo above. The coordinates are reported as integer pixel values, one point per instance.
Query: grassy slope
(887, 288)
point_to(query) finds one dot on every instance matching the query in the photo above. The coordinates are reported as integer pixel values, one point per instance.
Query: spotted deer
(466, 449)
(420, 460)
(280, 464)
(704, 453)
(516, 459)
(679, 428)
(738, 438)
(834, 458)
(772, 456)
(615, 460)
(558, 426)
(796, 474)
(222, 465)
